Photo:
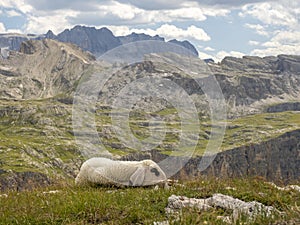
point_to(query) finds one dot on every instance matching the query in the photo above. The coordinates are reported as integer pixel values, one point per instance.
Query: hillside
(42, 69)
(39, 145)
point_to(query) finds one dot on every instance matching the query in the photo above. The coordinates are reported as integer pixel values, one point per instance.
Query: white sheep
(120, 173)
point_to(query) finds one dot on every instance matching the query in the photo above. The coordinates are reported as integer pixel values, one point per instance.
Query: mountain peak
(50, 35)
(185, 44)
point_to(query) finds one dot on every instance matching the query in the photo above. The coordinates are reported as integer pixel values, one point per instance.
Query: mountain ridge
(96, 41)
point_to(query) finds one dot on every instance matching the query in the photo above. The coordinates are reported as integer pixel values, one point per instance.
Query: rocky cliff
(251, 84)
(275, 160)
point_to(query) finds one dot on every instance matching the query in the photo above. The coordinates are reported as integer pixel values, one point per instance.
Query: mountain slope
(42, 69)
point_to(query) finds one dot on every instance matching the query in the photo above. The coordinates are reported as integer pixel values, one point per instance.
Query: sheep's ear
(137, 178)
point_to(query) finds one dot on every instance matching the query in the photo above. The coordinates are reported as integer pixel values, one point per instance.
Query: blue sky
(216, 27)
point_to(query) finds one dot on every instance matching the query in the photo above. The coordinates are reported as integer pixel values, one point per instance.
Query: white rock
(251, 209)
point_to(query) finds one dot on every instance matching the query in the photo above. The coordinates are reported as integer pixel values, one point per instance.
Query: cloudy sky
(216, 27)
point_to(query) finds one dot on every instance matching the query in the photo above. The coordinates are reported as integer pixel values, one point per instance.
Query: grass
(258, 128)
(36, 133)
(109, 205)
(241, 131)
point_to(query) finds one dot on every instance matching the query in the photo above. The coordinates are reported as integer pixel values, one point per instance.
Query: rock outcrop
(249, 85)
(282, 107)
(23, 181)
(238, 207)
(258, 160)
(252, 84)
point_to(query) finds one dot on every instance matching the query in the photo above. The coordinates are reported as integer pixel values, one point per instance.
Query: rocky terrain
(37, 85)
(42, 69)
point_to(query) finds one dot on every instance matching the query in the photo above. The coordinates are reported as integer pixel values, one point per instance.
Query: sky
(217, 28)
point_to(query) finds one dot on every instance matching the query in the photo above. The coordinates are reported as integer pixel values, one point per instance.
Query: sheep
(105, 171)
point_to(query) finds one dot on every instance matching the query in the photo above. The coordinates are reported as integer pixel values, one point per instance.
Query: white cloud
(167, 31)
(254, 43)
(55, 22)
(272, 13)
(287, 37)
(2, 28)
(284, 42)
(280, 49)
(175, 4)
(282, 17)
(173, 32)
(120, 12)
(203, 55)
(209, 49)
(187, 14)
(21, 5)
(213, 11)
(13, 13)
(119, 30)
(259, 29)
(6, 4)
(123, 11)
(222, 54)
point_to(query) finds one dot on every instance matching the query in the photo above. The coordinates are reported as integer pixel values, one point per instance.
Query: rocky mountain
(252, 84)
(38, 142)
(96, 41)
(42, 69)
(139, 37)
(186, 45)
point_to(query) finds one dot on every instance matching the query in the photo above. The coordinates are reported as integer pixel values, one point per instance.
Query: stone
(239, 207)
(176, 203)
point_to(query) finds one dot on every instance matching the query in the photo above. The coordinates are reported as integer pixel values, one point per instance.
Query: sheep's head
(148, 173)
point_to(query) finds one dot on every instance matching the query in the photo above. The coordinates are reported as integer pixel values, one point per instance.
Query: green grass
(108, 205)
(258, 128)
(36, 136)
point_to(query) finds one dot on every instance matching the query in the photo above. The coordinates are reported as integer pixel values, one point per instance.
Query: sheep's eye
(155, 171)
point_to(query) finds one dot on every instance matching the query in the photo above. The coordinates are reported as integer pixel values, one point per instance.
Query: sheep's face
(148, 173)
(154, 175)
